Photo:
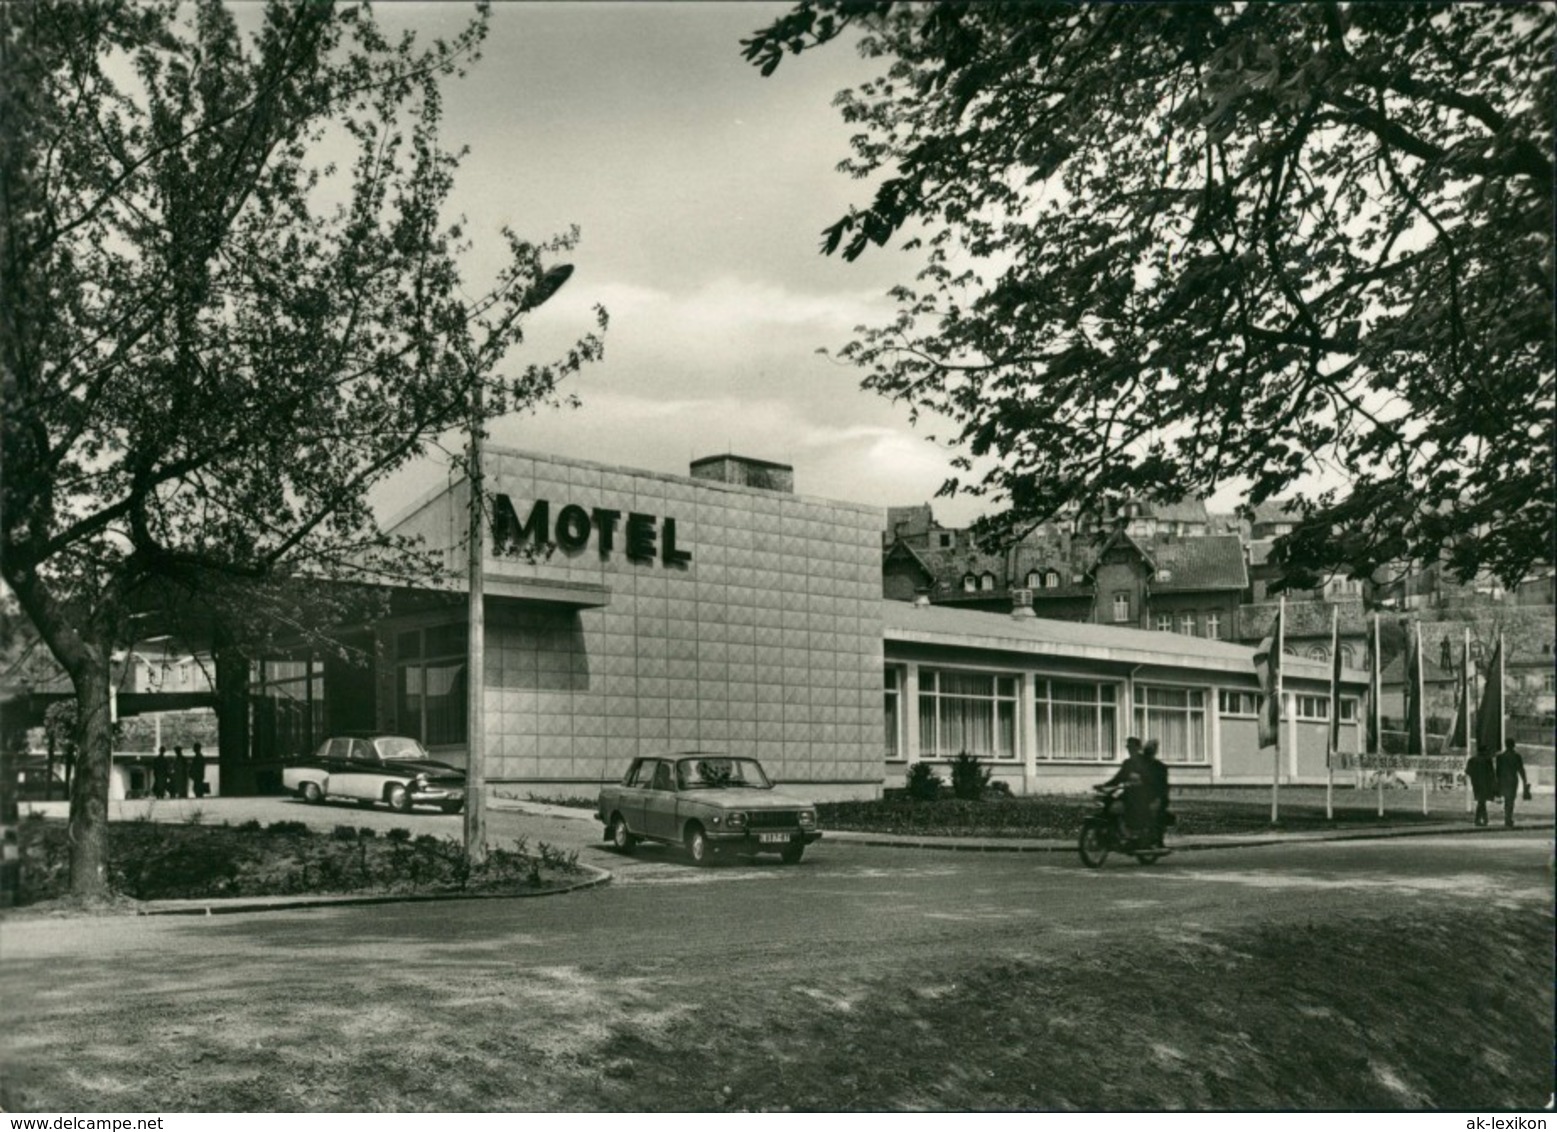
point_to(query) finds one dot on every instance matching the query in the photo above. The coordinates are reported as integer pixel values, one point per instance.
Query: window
(1348, 710)
(1187, 624)
(1076, 720)
(1348, 656)
(1549, 682)
(1033, 580)
(1176, 718)
(969, 583)
(430, 683)
(1214, 626)
(1318, 652)
(1165, 622)
(1313, 708)
(892, 715)
(987, 582)
(1239, 703)
(945, 539)
(1121, 607)
(1052, 580)
(967, 711)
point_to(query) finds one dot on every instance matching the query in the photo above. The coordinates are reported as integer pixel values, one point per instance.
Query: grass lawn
(162, 861)
(1446, 1011)
(1357, 1014)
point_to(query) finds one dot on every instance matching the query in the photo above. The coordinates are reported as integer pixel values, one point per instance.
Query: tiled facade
(768, 639)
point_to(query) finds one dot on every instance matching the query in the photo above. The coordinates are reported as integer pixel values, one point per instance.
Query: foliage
(217, 337)
(924, 785)
(1173, 246)
(969, 777)
(160, 861)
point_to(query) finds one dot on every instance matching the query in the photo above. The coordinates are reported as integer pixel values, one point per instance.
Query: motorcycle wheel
(1094, 844)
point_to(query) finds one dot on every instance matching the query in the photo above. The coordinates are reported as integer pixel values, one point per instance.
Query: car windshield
(707, 772)
(397, 747)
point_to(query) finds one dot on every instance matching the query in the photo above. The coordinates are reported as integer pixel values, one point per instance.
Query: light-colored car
(392, 769)
(712, 803)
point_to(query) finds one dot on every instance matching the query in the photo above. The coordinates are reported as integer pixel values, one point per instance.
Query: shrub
(924, 785)
(250, 826)
(288, 828)
(366, 831)
(969, 777)
(398, 834)
(344, 833)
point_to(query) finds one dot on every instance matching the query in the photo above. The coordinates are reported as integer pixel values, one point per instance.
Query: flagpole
(1334, 728)
(1275, 778)
(1378, 684)
(1470, 713)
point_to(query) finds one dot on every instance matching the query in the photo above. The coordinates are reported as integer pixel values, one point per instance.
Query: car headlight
(736, 820)
(420, 782)
(807, 818)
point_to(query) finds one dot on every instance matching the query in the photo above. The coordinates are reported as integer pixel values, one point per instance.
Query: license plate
(773, 838)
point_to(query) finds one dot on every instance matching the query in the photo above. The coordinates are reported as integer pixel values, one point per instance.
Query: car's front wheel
(621, 837)
(399, 799)
(310, 792)
(698, 846)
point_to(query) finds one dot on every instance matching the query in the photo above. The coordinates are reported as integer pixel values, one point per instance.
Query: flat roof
(938, 625)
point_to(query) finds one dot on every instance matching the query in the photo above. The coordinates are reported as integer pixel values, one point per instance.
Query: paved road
(91, 1004)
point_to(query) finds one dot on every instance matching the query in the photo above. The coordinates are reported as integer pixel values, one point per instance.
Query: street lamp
(476, 661)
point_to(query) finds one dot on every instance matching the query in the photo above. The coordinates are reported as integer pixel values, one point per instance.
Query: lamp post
(476, 662)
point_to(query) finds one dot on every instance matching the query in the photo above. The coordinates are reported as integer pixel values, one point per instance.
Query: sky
(700, 189)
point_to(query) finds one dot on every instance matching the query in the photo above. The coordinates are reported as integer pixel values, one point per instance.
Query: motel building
(629, 612)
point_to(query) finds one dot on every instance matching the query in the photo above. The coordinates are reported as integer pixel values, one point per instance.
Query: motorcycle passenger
(1157, 780)
(1140, 780)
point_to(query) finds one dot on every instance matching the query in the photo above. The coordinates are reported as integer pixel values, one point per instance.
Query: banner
(1334, 744)
(1267, 665)
(1416, 694)
(1489, 716)
(1373, 699)
(1459, 730)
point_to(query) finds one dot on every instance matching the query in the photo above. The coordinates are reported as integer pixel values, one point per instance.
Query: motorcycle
(1105, 832)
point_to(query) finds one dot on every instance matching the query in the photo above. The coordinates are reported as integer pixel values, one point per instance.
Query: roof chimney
(745, 471)
(1022, 604)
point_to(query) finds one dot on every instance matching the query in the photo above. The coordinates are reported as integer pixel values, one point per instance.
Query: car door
(360, 776)
(630, 794)
(659, 803)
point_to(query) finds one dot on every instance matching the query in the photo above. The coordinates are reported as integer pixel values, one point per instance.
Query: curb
(844, 837)
(233, 907)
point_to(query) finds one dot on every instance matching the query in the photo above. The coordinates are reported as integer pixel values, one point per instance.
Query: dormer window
(987, 582)
(969, 583)
(1052, 579)
(1033, 581)
(1165, 575)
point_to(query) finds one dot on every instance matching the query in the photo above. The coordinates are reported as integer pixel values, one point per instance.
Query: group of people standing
(176, 778)
(1491, 778)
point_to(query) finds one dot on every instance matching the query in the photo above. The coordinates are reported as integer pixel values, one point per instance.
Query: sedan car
(391, 769)
(710, 803)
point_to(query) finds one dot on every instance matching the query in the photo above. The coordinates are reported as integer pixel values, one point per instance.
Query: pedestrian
(1511, 772)
(159, 773)
(197, 771)
(1482, 773)
(180, 773)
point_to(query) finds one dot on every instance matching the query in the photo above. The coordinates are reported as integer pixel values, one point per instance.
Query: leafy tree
(214, 339)
(1171, 246)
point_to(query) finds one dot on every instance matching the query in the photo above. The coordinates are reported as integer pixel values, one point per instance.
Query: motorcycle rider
(1139, 778)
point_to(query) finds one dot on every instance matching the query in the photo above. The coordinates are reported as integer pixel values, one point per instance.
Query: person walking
(180, 773)
(1482, 773)
(159, 774)
(1511, 772)
(197, 771)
